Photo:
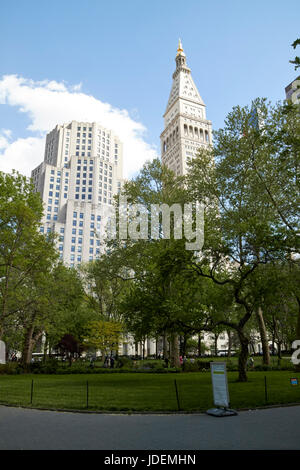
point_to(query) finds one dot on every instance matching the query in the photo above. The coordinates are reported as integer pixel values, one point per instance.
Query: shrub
(148, 365)
(48, 367)
(125, 362)
(203, 365)
(191, 367)
(10, 368)
(231, 367)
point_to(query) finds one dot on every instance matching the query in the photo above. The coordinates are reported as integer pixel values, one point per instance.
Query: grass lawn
(148, 392)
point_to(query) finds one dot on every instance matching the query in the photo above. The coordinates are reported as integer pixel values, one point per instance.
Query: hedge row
(55, 367)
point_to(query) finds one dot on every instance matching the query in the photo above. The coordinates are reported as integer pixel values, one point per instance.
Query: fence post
(31, 393)
(177, 396)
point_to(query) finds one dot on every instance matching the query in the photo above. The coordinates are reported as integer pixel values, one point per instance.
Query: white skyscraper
(81, 171)
(186, 126)
(292, 91)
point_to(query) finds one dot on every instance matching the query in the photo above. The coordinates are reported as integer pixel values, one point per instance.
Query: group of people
(109, 362)
(182, 360)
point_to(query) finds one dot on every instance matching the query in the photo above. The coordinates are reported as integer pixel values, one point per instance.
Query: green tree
(149, 263)
(249, 182)
(57, 308)
(104, 336)
(24, 252)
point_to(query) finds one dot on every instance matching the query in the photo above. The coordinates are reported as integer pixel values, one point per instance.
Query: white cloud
(22, 155)
(48, 103)
(5, 136)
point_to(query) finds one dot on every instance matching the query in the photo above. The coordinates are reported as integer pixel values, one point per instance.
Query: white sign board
(220, 384)
(2, 352)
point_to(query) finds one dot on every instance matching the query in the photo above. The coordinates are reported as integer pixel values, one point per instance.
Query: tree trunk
(229, 344)
(46, 344)
(183, 352)
(30, 342)
(165, 347)
(216, 344)
(298, 329)
(243, 357)
(28, 346)
(263, 336)
(174, 346)
(199, 344)
(298, 320)
(278, 344)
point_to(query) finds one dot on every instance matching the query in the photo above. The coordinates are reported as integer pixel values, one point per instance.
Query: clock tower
(186, 126)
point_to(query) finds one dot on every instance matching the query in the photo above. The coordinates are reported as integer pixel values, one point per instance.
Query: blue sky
(122, 52)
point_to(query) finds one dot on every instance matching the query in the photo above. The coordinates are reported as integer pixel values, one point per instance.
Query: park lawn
(144, 391)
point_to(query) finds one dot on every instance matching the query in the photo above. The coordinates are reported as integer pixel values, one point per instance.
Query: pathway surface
(269, 429)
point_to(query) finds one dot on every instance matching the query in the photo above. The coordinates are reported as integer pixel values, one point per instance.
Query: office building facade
(80, 174)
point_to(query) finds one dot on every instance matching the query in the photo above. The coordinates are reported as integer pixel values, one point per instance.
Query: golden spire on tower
(180, 48)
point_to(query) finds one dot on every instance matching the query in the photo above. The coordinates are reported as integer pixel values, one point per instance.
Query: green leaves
(296, 61)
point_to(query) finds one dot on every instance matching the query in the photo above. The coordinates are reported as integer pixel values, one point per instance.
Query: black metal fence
(186, 392)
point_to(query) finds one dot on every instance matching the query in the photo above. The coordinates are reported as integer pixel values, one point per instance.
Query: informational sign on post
(220, 390)
(219, 384)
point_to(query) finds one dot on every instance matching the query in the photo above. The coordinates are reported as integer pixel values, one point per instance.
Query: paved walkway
(275, 428)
